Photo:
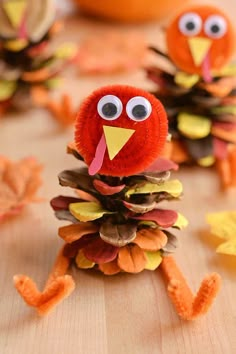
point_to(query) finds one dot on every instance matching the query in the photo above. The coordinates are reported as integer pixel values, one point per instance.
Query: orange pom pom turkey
(200, 39)
(120, 130)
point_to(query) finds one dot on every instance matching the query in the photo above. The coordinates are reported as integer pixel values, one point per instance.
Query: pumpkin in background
(130, 10)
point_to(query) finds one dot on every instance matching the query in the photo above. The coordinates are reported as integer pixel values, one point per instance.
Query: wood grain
(124, 313)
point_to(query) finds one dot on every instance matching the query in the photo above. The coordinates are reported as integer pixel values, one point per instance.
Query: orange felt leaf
(110, 268)
(227, 167)
(150, 239)
(228, 135)
(19, 182)
(56, 27)
(179, 154)
(74, 232)
(131, 259)
(223, 169)
(232, 162)
(37, 75)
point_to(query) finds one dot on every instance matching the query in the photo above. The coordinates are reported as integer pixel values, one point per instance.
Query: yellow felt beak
(116, 138)
(199, 47)
(15, 11)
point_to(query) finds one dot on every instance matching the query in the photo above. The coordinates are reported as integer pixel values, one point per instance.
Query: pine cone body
(202, 116)
(117, 223)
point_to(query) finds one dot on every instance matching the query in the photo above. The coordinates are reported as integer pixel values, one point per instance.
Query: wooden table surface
(121, 314)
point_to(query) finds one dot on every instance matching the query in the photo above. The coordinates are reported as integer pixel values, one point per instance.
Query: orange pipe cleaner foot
(58, 287)
(186, 304)
(227, 168)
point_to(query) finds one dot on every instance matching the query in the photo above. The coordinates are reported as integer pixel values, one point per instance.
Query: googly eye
(190, 24)
(215, 26)
(109, 107)
(138, 108)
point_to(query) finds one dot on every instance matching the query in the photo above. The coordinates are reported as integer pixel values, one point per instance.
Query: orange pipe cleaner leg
(223, 169)
(187, 305)
(232, 163)
(58, 286)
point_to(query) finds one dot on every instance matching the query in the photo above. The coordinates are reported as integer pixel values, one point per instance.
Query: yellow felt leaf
(172, 187)
(7, 89)
(229, 70)
(116, 138)
(186, 80)
(65, 51)
(223, 224)
(15, 45)
(199, 47)
(53, 83)
(153, 260)
(181, 222)
(228, 247)
(87, 211)
(193, 126)
(225, 110)
(206, 161)
(15, 10)
(83, 262)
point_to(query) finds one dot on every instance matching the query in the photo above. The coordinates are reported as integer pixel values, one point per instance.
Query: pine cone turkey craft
(198, 89)
(29, 68)
(117, 222)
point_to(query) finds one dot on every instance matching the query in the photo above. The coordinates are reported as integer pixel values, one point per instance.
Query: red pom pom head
(120, 130)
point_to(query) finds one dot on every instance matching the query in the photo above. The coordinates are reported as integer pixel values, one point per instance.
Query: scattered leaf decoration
(116, 223)
(125, 51)
(198, 113)
(19, 183)
(223, 225)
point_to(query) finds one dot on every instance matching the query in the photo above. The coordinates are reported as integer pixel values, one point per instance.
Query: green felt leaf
(186, 80)
(194, 126)
(7, 89)
(153, 260)
(181, 222)
(225, 110)
(87, 211)
(172, 187)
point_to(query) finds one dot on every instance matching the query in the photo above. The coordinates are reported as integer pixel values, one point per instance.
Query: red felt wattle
(177, 43)
(142, 149)
(164, 218)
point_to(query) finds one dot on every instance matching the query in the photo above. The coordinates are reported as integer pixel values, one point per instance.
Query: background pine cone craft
(198, 89)
(29, 68)
(117, 222)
